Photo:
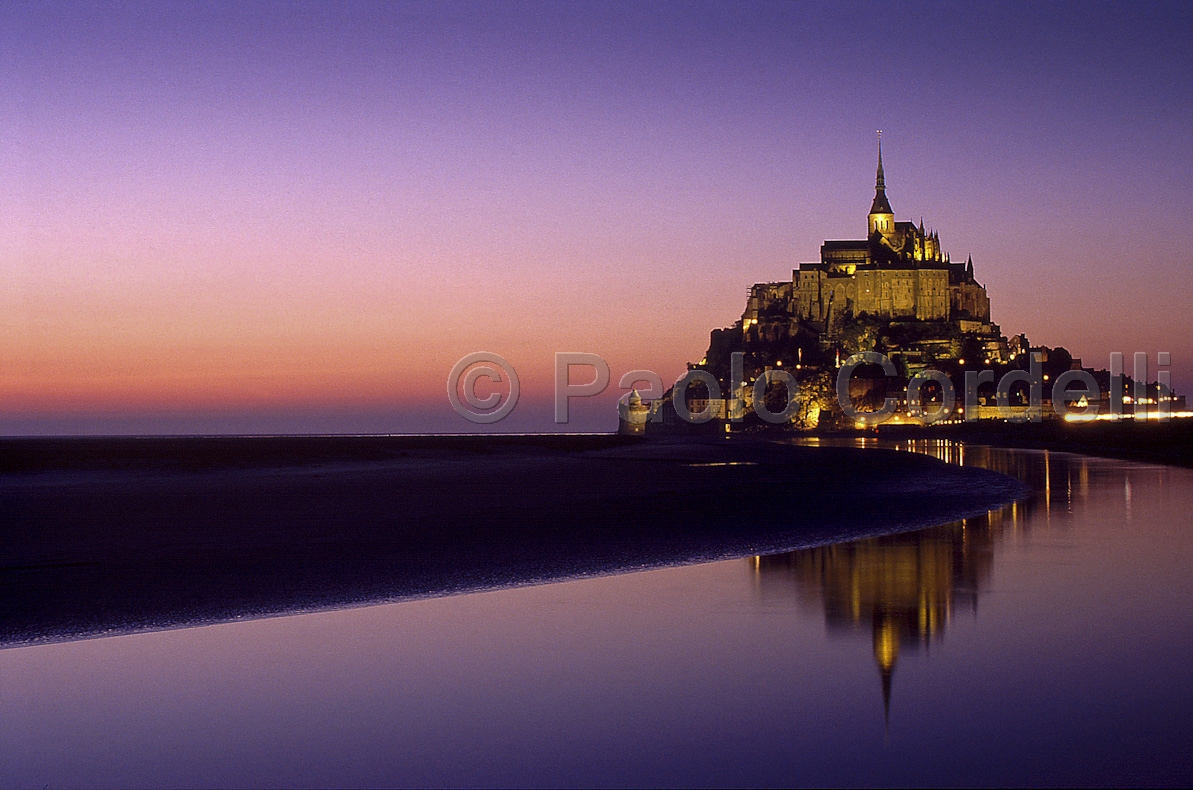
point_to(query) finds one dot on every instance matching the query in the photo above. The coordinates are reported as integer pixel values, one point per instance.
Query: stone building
(898, 272)
(895, 292)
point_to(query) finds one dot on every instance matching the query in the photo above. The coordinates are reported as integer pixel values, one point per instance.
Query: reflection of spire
(886, 697)
(886, 653)
(905, 586)
(902, 586)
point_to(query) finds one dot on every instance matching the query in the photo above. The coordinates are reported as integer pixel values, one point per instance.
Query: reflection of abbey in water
(904, 589)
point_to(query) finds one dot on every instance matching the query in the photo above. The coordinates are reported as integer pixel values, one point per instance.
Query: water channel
(1050, 642)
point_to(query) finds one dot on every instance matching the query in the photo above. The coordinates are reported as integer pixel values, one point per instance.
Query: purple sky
(298, 217)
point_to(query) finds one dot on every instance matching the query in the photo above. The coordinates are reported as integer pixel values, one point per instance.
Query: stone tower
(632, 415)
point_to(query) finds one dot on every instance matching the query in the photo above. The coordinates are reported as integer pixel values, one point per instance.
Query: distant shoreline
(1150, 442)
(116, 535)
(1166, 443)
(210, 453)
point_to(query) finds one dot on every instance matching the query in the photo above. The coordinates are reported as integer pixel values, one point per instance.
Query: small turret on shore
(632, 415)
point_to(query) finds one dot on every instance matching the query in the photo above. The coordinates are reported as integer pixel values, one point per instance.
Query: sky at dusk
(298, 217)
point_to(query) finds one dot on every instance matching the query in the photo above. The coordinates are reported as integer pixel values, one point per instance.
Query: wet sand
(102, 536)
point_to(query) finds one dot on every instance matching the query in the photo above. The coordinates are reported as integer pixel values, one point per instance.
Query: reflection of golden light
(886, 646)
(903, 589)
(1047, 487)
(902, 586)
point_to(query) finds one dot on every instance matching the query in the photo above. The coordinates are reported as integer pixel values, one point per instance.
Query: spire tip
(880, 181)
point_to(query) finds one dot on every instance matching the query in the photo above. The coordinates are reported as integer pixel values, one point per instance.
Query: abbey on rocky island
(898, 273)
(895, 293)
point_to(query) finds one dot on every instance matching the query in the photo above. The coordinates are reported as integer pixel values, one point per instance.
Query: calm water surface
(1047, 643)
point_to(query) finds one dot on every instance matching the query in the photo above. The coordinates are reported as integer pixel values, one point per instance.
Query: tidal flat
(104, 536)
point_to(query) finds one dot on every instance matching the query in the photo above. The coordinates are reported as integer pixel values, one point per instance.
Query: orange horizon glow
(214, 212)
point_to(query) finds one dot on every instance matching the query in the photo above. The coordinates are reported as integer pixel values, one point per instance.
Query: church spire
(882, 218)
(880, 181)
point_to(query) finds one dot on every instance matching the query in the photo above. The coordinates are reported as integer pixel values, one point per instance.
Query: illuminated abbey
(899, 272)
(895, 293)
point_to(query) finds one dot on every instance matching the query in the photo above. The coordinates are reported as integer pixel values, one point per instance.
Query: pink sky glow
(298, 220)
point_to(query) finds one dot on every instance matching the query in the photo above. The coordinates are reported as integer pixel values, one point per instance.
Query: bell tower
(882, 218)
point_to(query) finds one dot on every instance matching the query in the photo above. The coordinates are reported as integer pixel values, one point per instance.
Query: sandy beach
(112, 535)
